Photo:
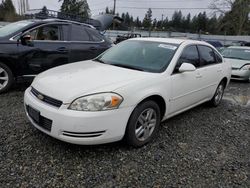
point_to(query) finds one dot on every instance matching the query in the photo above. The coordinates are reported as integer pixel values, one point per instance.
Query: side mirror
(187, 67)
(26, 40)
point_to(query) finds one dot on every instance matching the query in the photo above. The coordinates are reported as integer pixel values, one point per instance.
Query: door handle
(198, 76)
(62, 49)
(219, 70)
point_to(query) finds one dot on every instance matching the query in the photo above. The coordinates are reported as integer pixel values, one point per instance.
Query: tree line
(235, 21)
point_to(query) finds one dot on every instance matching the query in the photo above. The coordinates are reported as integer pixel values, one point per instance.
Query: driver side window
(48, 32)
(189, 55)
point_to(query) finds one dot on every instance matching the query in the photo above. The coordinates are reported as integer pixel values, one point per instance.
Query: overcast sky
(136, 7)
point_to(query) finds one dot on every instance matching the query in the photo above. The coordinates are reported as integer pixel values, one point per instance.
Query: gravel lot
(204, 147)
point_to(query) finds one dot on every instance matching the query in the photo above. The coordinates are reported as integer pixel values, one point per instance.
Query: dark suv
(32, 46)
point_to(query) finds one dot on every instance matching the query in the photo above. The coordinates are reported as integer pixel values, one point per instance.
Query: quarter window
(94, 34)
(79, 33)
(207, 56)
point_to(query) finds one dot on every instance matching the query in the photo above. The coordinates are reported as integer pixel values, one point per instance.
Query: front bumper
(241, 74)
(84, 128)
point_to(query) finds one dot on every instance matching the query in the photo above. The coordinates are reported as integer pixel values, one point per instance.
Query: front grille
(46, 99)
(234, 76)
(83, 134)
(41, 121)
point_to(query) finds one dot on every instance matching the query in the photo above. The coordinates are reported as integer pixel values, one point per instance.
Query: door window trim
(173, 73)
(38, 26)
(216, 62)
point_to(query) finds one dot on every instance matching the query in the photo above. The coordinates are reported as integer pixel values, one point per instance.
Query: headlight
(97, 102)
(246, 67)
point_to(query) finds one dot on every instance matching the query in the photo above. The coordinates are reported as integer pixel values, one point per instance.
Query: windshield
(13, 27)
(233, 53)
(140, 55)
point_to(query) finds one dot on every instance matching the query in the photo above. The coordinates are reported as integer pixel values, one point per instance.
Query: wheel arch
(9, 64)
(159, 100)
(225, 81)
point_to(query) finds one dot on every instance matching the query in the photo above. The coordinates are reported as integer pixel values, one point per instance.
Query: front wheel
(6, 78)
(217, 98)
(143, 124)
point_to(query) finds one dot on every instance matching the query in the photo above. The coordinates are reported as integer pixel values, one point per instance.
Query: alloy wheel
(4, 78)
(145, 124)
(219, 94)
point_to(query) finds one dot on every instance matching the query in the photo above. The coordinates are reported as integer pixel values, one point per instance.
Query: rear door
(210, 69)
(186, 87)
(82, 45)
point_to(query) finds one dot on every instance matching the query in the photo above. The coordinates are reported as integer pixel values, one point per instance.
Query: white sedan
(239, 57)
(127, 91)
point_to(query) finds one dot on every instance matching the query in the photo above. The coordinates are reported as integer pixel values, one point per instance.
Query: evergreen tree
(7, 11)
(79, 7)
(147, 21)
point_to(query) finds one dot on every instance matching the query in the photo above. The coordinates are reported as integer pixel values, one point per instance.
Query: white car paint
(237, 72)
(66, 83)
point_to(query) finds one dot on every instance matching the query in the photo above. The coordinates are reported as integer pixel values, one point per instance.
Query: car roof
(171, 40)
(240, 47)
(60, 20)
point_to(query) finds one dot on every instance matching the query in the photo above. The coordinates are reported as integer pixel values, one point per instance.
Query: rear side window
(207, 56)
(189, 55)
(94, 35)
(78, 33)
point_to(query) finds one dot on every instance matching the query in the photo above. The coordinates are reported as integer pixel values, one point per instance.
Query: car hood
(71, 81)
(237, 63)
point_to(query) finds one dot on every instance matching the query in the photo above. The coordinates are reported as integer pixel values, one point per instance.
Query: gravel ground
(204, 147)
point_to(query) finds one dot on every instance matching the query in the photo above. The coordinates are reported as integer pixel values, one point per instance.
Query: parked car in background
(239, 43)
(239, 57)
(30, 47)
(127, 91)
(217, 44)
(127, 36)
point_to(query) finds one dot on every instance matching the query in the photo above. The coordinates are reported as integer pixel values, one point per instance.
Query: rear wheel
(6, 78)
(216, 100)
(143, 124)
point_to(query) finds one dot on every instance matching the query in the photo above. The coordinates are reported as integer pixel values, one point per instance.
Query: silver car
(239, 57)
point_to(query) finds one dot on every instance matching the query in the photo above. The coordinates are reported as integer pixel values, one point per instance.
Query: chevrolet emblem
(41, 97)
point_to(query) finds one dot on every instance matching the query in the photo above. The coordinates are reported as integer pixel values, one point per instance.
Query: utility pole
(114, 7)
(162, 16)
(114, 14)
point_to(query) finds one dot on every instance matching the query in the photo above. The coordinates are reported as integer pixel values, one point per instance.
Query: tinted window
(94, 34)
(218, 57)
(206, 55)
(189, 55)
(79, 33)
(49, 32)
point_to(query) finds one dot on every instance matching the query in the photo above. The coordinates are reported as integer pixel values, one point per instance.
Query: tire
(145, 120)
(217, 98)
(6, 78)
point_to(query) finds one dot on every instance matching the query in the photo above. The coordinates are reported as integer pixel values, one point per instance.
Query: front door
(186, 87)
(46, 49)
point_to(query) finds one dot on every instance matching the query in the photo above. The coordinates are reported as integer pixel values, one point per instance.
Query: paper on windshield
(167, 46)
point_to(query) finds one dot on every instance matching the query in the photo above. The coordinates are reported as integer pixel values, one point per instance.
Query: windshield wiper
(127, 66)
